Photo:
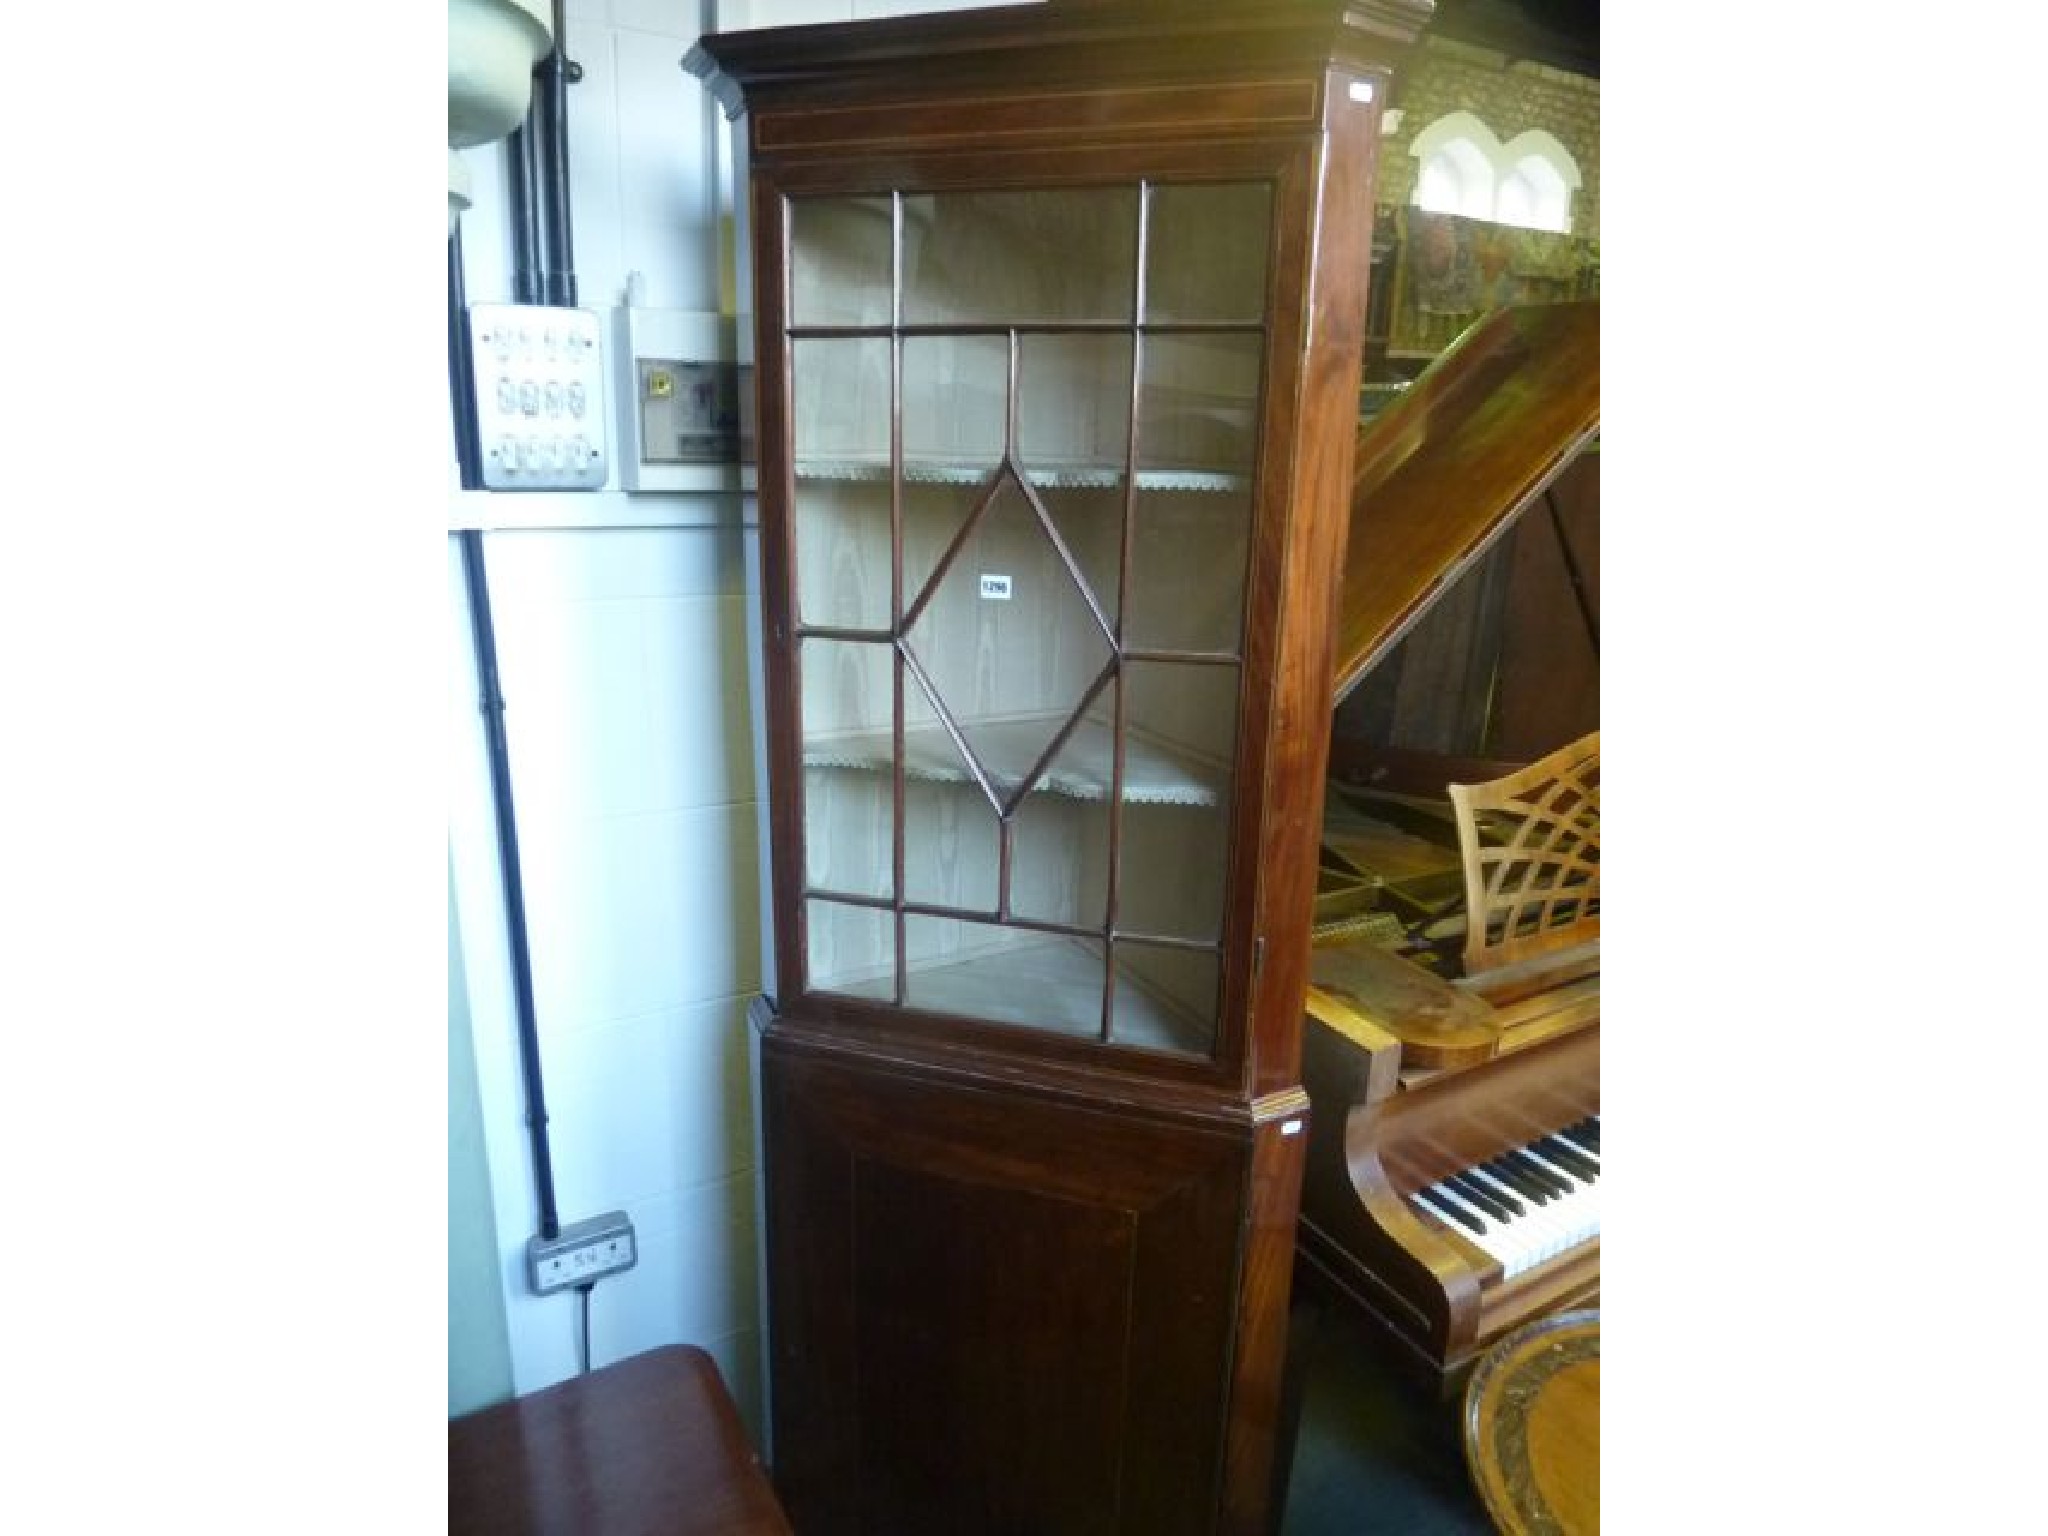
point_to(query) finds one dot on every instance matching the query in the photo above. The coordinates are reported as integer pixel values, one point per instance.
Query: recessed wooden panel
(994, 1314)
(971, 1393)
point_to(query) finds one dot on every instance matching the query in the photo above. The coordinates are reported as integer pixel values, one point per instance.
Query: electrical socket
(581, 1253)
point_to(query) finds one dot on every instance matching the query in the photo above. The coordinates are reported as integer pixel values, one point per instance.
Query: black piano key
(1555, 1183)
(1480, 1196)
(1536, 1154)
(1558, 1168)
(1517, 1178)
(1494, 1186)
(1586, 1133)
(1568, 1157)
(1451, 1211)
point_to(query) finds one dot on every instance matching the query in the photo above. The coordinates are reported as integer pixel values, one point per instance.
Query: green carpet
(1374, 1454)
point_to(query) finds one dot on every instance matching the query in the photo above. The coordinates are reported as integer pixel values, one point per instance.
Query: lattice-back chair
(1531, 845)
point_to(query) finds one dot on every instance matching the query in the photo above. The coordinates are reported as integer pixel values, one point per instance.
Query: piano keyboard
(1529, 1204)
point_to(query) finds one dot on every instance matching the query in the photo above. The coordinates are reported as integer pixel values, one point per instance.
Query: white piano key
(1487, 1239)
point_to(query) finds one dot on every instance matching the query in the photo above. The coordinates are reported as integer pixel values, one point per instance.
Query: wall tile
(643, 1108)
(739, 15)
(695, 1279)
(596, 188)
(678, 19)
(556, 566)
(635, 914)
(669, 228)
(696, 665)
(576, 712)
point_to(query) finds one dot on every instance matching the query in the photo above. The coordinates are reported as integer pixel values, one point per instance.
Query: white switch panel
(540, 401)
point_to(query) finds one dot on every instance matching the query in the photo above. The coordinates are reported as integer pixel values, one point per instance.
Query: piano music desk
(647, 1446)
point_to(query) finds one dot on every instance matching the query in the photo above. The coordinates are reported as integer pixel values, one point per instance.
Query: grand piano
(1452, 1051)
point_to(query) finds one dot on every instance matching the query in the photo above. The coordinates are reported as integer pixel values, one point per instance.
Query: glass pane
(1006, 639)
(1074, 408)
(840, 400)
(1166, 999)
(1089, 521)
(1019, 256)
(843, 553)
(1205, 249)
(950, 846)
(839, 261)
(1198, 411)
(1060, 844)
(850, 949)
(1174, 852)
(840, 396)
(956, 395)
(1188, 555)
(849, 752)
(1008, 975)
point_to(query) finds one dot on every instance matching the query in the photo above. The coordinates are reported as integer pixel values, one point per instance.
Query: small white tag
(996, 588)
(1290, 1128)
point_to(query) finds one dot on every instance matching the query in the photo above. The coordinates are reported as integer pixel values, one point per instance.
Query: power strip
(581, 1253)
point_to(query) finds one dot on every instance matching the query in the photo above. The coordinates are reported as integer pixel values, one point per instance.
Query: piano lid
(1446, 468)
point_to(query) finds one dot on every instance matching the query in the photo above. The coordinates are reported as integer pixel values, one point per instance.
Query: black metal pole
(493, 706)
(461, 373)
(552, 95)
(522, 184)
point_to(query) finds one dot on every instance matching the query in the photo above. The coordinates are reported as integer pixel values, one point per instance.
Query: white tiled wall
(626, 629)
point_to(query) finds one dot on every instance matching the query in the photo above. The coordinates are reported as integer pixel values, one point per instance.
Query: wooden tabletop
(648, 1446)
(1532, 1427)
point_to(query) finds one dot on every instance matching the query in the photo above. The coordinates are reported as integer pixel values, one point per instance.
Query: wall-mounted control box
(540, 397)
(685, 402)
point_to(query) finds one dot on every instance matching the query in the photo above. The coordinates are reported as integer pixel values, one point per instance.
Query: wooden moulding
(1128, 46)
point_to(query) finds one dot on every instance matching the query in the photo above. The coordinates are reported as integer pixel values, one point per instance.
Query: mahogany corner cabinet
(1058, 319)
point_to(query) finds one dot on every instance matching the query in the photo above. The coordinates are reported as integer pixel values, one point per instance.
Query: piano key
(1488, 1237)
(1564, 1155)
(1536, 1234)
(1579, 1211)
(1536, 1222)
(1586, 1133)
(1499, 1188)
(1555, 1167)
(1478, 1195)
(1541, 1172)
(1512, 1173)
(1450, 1211)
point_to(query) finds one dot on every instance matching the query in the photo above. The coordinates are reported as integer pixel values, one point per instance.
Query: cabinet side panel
(1316, 430)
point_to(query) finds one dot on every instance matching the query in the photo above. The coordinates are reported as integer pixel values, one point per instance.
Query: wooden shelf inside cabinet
(1155, 773)
(1054, 984)
(1069, 476)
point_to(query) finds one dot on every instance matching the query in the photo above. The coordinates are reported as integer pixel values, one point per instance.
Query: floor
(1373, 1455)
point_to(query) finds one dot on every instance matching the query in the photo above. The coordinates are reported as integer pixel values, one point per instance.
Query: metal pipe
(552, 94)
(522, 187)
(493, 707)
(461, 369)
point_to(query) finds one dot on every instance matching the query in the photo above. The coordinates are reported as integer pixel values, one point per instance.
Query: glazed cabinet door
(1021, 463)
